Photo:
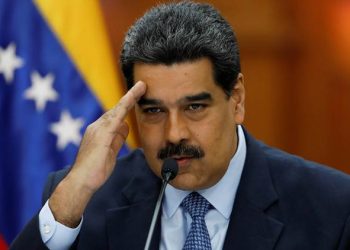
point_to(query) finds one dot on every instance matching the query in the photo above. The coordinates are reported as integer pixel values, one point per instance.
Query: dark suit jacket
(282, 202)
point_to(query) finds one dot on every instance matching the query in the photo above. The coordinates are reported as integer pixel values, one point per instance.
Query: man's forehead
(175, 83)
(201, 68)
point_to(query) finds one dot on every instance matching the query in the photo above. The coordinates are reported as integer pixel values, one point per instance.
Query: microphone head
(169, 169)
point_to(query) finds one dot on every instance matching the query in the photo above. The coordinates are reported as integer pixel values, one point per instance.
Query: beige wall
(296, 63)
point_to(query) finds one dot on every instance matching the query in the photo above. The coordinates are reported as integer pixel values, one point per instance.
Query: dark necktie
(198, 237)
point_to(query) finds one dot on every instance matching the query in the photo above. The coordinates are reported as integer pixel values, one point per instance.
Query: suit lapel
(128, 225)
(251, 226)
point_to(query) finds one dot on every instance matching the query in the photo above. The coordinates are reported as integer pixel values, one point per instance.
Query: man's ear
(238, 96)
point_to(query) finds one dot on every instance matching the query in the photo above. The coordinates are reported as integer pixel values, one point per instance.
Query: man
(181, 64)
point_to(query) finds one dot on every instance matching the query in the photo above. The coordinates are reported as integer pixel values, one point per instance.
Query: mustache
(180, 149)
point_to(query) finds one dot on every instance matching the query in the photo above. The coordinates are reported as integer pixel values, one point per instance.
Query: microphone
(169, 169)
(169, 172)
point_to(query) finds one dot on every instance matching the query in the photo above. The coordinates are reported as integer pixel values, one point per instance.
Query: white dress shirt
(175, 222)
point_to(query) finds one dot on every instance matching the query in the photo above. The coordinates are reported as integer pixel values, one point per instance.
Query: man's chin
(184, 181)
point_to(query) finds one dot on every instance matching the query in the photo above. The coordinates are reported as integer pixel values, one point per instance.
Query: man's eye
(152, 110)
(196, 107)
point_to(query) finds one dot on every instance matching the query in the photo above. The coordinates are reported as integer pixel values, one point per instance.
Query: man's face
(187, 116)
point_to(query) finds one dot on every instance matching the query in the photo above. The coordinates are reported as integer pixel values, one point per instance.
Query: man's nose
(176, 129)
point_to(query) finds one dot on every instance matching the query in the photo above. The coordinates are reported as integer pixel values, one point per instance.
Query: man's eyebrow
(190, 98)
(148, 101)
(199, 97)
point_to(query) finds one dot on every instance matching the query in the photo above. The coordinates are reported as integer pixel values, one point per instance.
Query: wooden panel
(323, 90)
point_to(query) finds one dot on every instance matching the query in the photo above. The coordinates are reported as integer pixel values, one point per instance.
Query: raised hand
(95, 160)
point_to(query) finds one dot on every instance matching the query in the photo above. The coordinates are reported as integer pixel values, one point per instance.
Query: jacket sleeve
(30, 237)
(344, 243)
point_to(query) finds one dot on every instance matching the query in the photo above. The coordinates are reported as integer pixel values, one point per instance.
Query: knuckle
(106, 116)
(90, 128)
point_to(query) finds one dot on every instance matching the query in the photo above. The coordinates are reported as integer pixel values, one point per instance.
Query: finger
(127, 102)
(107, 126)
(112, 118)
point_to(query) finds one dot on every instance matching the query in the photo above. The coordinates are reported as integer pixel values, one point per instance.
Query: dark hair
(180, 32)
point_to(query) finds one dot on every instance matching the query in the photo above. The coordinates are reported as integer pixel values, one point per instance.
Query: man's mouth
(183, 161)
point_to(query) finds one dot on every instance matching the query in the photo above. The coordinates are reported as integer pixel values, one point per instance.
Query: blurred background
(295, 57)
(296, 61)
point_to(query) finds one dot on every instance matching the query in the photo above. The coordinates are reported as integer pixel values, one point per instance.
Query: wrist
(69, 201)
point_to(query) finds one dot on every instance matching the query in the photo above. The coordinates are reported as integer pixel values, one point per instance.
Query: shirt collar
(228, 185)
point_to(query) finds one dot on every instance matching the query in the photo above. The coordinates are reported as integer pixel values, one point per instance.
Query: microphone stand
(156, 211)
(169, 172)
